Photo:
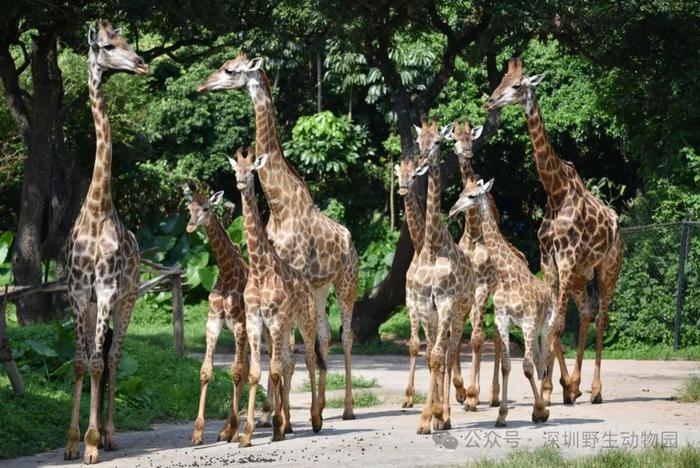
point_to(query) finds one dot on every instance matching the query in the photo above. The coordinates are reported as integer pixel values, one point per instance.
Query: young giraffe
(579, 237)
(226, 308)
(102, 257)
(519, 298)
(444, 290)
(472, 244)
(301, 234)
(415, 218)
(276, 295)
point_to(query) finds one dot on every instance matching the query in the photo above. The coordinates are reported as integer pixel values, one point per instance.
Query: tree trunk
(36, 186)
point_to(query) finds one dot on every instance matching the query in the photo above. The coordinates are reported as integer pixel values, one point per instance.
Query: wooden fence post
(685, 242)
(6, 353)
(178, 315)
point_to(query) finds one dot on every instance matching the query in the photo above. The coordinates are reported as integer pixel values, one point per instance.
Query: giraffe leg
(495, 387)
(308, 331)
(106, 294)
(585, 310)
(427, 411)
(324, 340)
(456, 353)
(477, 340)
(539, 413)
(503, 324)
(239, 373)
(121, 318)
(81, 308)
(554, 343)
(254, 328)
(606, 275)
(441, 354)
(265, 417)
(413, 349)
(345, 292)
(277, 373)
(288, 363)
(212, 331)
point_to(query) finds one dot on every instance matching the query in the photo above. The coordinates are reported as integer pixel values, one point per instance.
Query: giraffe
(275, 296)
(301, 234)
(473, 245)
(444, 287)
(519, 297)
(415, 218)
(579, 237)
(226, 308)
(102, 258)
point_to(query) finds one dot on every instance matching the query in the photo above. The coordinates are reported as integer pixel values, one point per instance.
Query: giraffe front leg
(312, 355)
(72, 450)
(477, 341)
(266, 416)
(239, 373)
(456, 359)
(212, 331)
(540, 413)
(254, 330)
(503, 324)
(585, 310)
(324, 343)
(345, 292)
(288, 363)
(555, 331)
(413, 349)
(276, 373)
(606, 277)
(495, 387)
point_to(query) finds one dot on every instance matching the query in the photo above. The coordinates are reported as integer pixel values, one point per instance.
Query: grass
(336, 381)
(690, 391)
(372, 347)
(419, 397)
(651, 458)
(363, 399)
(643, 352)
(160, 387)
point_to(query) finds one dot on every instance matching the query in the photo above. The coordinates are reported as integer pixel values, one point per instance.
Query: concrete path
(638, 412)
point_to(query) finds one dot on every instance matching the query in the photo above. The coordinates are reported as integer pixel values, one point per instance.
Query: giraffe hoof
(316, 424)
(224, 437)
(263, 423)
(461, 395)
(244, 443)
(196, 440)
(568, 400)
(348, 415)
(470, 408)
(500, 423)
(110, 446)
(423, 430)
(407, 403)
(91, 456)
(547, 403)
(597, 399)
(540, 417)
(71, 454)
(278, 437)
(288, 429)
(495, 403)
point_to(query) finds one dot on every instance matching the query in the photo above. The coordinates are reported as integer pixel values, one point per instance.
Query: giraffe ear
(421, 170)
(533, 80)
(92, 37)
(261, 160)
(397, 170)
(187, 191)
(118, 31)
(446, 131)
(488, 185)
(476, 132)
(255, 64)
(232, 162)
(216, 198)
(418, 130)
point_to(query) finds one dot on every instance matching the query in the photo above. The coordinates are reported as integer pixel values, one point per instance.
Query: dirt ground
(638, 412)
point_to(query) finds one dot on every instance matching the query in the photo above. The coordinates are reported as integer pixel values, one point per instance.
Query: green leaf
(127, 367)
(207, 276)
(5, 243)
(40, 348)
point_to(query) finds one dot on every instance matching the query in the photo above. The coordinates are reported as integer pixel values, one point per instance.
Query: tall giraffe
(579, 236)
(473, 245)
(444, 287)
(301, 234)
(519, 298)
(102, 257)
(226, 308)
(276, 295)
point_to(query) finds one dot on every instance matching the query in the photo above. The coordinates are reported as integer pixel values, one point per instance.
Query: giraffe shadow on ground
(516, 424)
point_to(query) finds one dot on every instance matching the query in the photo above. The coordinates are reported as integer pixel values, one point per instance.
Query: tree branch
(155, 52)
(14, 93)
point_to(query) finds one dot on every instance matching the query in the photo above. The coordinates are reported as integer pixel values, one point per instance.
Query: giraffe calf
(275, 296)
(519, 299)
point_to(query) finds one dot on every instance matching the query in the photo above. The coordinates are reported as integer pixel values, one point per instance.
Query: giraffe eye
(516, 86)
(108, 47)
(229, 72)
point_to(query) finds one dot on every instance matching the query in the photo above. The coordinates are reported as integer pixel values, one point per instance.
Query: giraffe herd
(301, 253)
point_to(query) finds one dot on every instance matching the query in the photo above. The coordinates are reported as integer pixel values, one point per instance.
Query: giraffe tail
(105, 372)
(320, 361)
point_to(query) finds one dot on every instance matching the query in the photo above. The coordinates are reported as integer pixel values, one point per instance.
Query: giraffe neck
(277, 178)
(472, 225)
(415, 218)
(434, 234)
(549, 166)
(219, 240)
(258, 244)
(99, 196)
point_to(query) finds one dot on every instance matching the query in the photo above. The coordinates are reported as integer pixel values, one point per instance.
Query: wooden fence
(165, 278)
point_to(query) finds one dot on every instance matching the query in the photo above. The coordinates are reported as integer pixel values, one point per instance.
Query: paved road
(638, 411)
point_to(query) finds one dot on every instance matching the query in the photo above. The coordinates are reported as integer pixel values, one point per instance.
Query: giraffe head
(245, 167)
(464, 136)
(515, 87)
(429, 139)
(111, 51)
(200, 206)
(406, 174)
(236, 73)
(474, 194)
